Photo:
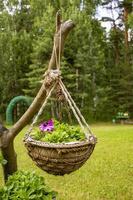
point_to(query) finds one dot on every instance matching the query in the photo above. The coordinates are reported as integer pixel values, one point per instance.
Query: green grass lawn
(107, 175)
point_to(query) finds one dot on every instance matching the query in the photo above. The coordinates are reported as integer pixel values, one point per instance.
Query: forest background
(97, 65)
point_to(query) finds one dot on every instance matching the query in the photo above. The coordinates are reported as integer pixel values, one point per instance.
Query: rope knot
(55, 74)
(51, 76)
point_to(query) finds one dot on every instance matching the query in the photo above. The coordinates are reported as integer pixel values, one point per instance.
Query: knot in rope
(50, 77)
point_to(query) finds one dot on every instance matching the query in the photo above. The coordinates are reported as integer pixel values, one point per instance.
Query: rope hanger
(81, 120)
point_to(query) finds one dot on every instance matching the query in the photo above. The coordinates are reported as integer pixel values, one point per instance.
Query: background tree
(118, 63)
(16, 46)
(97, 66)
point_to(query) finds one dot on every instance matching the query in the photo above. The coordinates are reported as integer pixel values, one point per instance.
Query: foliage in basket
(26, 185)
(55, 132)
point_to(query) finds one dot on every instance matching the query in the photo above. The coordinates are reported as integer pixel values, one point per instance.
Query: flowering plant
(47, 126)
(55, 132)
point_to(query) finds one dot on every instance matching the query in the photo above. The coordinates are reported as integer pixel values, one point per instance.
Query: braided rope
(60, 48)
(58, 60)
(77, 109)
(56, 55)
(41, 109)
(74, 111)
(81, 120)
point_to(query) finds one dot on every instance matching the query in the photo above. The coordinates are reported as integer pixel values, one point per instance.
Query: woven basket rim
(92, 140)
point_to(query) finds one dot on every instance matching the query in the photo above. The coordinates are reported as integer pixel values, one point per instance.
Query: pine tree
(15, 48)
(118, 62)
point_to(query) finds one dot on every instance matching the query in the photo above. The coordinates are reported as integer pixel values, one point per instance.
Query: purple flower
(47, 126)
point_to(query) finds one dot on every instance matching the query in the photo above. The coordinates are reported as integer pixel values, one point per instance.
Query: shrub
(24, 185)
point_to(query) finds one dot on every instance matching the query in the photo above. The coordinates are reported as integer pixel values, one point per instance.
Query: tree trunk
(7, 145)
(126, 33)
(11, 157)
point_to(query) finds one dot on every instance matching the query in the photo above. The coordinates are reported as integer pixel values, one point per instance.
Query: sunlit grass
(107, 175)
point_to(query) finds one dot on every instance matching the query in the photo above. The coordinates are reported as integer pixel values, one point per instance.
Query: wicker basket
(60, 159)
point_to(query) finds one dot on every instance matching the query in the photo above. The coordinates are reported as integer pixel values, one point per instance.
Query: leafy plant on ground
(26, 185)
(59, 133)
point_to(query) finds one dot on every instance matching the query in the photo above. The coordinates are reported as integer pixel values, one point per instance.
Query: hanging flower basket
(64, 157)
(60, 159)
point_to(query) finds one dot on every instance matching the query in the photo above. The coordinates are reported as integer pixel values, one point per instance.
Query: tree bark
(9, 154)
(7, 145)
(126, 33)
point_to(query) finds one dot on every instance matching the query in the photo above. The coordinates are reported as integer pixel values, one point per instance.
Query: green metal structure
(12, 105)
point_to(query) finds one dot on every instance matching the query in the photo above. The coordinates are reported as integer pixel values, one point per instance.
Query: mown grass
(107, 175)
